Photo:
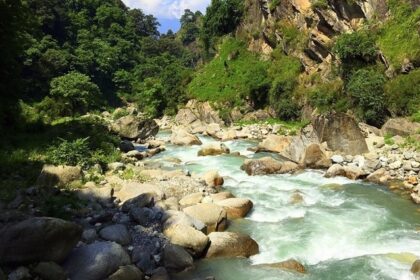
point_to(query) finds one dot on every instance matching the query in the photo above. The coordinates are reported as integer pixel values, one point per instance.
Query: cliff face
(268, 24)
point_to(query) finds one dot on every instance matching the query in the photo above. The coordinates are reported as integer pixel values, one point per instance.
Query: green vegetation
(69, 152)
(327, 95)
(319, 4)
(287, 127)
(399, 38)
(356, 46)
(293, 38)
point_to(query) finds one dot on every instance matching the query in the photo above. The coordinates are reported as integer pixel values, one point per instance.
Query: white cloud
(169, 9)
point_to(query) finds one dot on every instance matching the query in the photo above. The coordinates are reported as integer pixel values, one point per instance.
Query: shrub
(366, 88)
(355, 46)
(327, 96)
(70, 152)
(403, 94)
(319, 4)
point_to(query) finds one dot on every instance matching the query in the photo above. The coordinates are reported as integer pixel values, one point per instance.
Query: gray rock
(96, 261)
(50, 271)
(117, 233)
(160, 274)
(395, 165)
(132, 127)
(143, 200)
(176, 258)
(126, 146)
(143, 216)
(408, 155)
(89, 235)
(21, 273)
(58, 175)
(128, 272)
(115, 166)
(337, 159)
(38, 239)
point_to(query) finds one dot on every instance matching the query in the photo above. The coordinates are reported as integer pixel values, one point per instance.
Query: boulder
(415, 269)
(143, 216)
(191, 199)
(213, 149)
(58, 175)
(96, 261)
(315, 157)
(296, 198)
(181, 137)
(221, 196)
(401, 127)
(132, 190)
(126, 146)
(117, 233)
(173, 217)
(267, 165)
(50, 271)
(341, 133)
(236, 207)
(291, 265)
(213, 129)
(38, 239)
(213, 179)
(380, 176)
(195, 110)
(185, 117)
(143, 200)
(274, 143)
(214, 216)
(350, 172)
(132, 127)
(176, 258)
(192, 240)
(128, 272)
(230, 244)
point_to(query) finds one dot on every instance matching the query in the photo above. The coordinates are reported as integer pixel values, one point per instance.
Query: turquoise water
(352, 231)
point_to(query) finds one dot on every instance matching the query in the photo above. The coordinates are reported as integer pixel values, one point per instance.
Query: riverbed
(343, 229)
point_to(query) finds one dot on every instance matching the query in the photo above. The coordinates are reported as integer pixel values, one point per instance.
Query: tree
(76, 90)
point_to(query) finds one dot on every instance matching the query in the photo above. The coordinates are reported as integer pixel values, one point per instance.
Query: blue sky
(168, 12)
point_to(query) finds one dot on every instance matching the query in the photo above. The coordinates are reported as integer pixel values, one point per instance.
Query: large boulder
(315, 157)
(230, 244)
(176, 258)
(350, 172)
(117, 233)
(214, 216)
(58, 175)
(197, 111)
(38, 239)
(132, 127)
(400, 126)
(213, 179)
(180, 136)
(96, 261)
(173, 217)
(380, 176)
(274, 143)
(236, 207)
(213, 149)
(132, 190)
(191, 199)
(192, 240)
(341, 133)
(267, 165)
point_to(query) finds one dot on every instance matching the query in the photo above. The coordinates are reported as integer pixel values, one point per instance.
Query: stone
(191, 199)
(400, 126)
(117, 233)
(380, 176)
(115, 166)
(415, 268)
(172, 217)
(126, 146)
(96, 261)
(192, 240)
(236, 207)
(296, 198)
(415, 197)
(58, 175)
(350, 172)
(176, 258)
(182, 138)
(341, 133)
(89, 235)
(213, 149)
(21, 273)
(412, 180)
(132, 127)
(221, 196)
(315, 157)
(395, 165)
(291, 265)
(128, 272)
(38, 239)
(131, 190)
(212, 215)
(338, 159)
(160, 274)
(230, 244)
(267, 165)
(143, 200)
(143, 216)
(50, 271)
(274, 143)
(213, 179)
(213, 129)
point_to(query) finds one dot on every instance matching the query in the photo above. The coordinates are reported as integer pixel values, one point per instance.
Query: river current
(343, 230)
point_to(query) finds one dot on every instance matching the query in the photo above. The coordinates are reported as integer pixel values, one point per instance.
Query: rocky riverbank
(148, 221)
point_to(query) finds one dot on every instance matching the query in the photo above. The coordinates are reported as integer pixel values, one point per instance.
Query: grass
(288, 127)
(388, 139)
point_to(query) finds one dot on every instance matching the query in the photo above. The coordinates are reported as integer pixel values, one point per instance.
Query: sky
(168, 12)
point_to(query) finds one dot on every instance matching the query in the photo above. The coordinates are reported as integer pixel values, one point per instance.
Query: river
(343, 230)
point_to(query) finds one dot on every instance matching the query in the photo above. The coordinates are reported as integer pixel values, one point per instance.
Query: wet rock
(181, 137)
(415, 269)
(38, 239)
(291, 265)
(50, 271)
(267, 165)
(296, 198)
(96, 261)
(117, 233)
(350, 172)
(212, 215)
(58, 175)
(191, 199)
(187, 237)
(176, 258)
(213, 149)
(230, 244)
(315, 157)
(128, 272)
(132, 127)
(213, 179)
(236, 207)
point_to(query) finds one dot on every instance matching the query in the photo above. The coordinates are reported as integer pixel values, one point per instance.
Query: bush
(319, 4)
(403, 94)
(327, 96)
(366, 88)
(70, 153)
(355, 46)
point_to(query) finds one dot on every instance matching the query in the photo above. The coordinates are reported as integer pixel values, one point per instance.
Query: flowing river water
(344, 229)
